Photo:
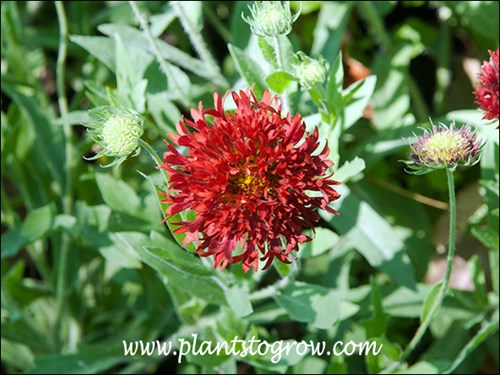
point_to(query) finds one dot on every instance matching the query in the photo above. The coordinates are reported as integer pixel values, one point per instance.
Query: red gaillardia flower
(252, 178)
(487, 91)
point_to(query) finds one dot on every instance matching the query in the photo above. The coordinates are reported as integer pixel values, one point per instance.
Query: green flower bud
(270, 18)
(310, 72)
(117, 131)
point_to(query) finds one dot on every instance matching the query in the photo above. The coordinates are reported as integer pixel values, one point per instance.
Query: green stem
(199, 44)
(444, 284)
(146, 147)
(281, 66)
(68, 188)
(165, 67)
(271, 290)
(486, 331)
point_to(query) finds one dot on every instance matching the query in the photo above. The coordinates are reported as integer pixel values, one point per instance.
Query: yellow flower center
(445, 147)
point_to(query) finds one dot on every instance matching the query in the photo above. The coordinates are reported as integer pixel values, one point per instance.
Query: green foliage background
(363, 276)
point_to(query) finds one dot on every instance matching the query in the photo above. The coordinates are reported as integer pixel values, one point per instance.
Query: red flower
(487, 91)
(250, 177)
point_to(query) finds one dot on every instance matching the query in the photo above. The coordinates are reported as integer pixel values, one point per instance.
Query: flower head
(444, 147)
(487, 91)
(117, 132)
(309, 71)
(271, 18)
(252, 178)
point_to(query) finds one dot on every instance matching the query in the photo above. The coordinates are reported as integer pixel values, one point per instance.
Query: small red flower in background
(487, 91)
(250, 177)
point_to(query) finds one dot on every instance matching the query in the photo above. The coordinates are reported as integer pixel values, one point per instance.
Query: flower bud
(271, 18)
(117, 131)
(309, 71)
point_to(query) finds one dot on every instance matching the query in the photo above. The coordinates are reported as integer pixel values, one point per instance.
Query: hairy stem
(199, 45)
(68, 188)
(165, 67)
(444, 284)
(281, 66)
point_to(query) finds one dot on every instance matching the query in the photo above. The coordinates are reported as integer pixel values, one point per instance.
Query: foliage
(88, 262)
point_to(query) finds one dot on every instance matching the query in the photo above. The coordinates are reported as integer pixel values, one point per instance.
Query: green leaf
(310, 303)
(117, 194)
(164, 112)
(131, 64)
(310, 365)
(430, 300)
(356, 98)
(187, 307)
(89, 359)
(103, 48)
(371, 235)
(17, 355)
(332, 20)
(350, 169)
(376, 326)
(488, 329)
(279, 81)
(49, 139)
(238, 299)
(187, 278)
(36, 225)
(172, 54)
(192, 11)
(267, 52)
(323, 240)
(120, 253)
(74, 118)
(248, 69)
(333, 97)
(476, 18)
(392, 94)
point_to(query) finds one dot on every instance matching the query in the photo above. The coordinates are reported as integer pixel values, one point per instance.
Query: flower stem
(165, 67)
(444, 284)
(199, 44)
(67, 198)
(155, 157)
(271, 290)
(281, 66)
